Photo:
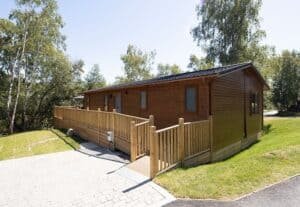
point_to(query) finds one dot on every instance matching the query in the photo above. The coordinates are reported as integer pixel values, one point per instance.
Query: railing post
(153, 152)
(113, 120)
(87, 108)
(181, 139)
(133, 141)
(211, 136)
(98, 124)
(151, 123)
(151, 120)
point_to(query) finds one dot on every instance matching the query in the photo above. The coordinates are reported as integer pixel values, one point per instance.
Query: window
(191, 99)
(143, 99)
(254, 103)
(106, 101)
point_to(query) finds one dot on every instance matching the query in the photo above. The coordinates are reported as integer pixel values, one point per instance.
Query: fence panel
(93, 125)
(196, 137)
(168, 147)
(122, 124)
(171, 146)
(142, 136)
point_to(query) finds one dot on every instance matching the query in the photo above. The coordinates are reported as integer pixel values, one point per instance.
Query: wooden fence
(168, 147)
(173, 145)
(140, 138)
(196, 137)
(94, 125)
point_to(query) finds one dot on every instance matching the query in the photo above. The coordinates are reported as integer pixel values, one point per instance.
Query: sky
(99, 31)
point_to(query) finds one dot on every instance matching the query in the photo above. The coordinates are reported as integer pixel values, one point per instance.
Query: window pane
(254, 103)
(106, 102)
(143, 100)
(191, 99)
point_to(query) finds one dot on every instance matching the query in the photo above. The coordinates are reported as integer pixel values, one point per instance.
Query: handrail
(196, 122)
(130, 116)
(142, 123)
(168, 128)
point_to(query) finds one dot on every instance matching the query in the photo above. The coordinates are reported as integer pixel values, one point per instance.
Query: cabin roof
(217, 71)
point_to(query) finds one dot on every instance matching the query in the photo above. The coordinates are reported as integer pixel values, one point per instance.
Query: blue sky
(98, 31)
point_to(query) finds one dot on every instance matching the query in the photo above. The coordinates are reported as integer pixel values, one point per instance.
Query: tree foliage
(199, 63)
(286, 82)
(229, 31)
(35, 72)
(137, 65)
(164, 70)
(94, 79)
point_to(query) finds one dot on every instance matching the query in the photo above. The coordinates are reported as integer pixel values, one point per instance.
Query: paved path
(93, 177)
(285, 194)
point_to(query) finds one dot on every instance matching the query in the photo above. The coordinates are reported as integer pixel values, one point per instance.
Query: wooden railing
(140, 138)
(172, 145)
(137, 136)
(94, 124)
(196, 137)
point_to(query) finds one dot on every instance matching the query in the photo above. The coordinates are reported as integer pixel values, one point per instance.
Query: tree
(286, 83)
(32, 59)
(229, 30)
(164, 70)
(94, 79)
(77, 71)
(199, 63)
(137, 65)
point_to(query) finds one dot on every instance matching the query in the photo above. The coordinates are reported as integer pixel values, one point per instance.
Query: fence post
(113, 120)
(151, 120)
(151, 123)
(153, 152)
(211, 136)
(98, 121)
(181, 139)
(133, 141)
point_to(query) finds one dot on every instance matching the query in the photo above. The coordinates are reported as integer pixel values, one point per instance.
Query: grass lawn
(34, 143)
(276, 156)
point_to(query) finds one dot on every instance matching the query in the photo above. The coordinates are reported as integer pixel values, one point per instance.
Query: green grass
(34, 143)
(276, 156)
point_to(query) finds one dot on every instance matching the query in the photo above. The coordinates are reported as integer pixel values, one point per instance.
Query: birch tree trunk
(11, 85)
(13, 116)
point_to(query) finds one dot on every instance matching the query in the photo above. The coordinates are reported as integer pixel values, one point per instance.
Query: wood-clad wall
(229, 100)
(228, 109)
(233, 121)
(253, 121)
(165, 101)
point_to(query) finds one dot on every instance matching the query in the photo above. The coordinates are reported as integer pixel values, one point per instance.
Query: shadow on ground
(93, 150)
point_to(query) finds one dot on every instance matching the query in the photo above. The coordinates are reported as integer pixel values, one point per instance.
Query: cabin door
(118, 102)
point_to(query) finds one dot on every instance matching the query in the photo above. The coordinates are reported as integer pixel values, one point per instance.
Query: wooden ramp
(141, 165)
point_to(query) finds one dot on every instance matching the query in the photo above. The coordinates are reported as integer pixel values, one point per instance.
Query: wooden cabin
(232, 94)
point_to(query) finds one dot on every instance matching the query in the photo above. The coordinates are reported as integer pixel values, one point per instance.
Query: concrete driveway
(92, 177)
